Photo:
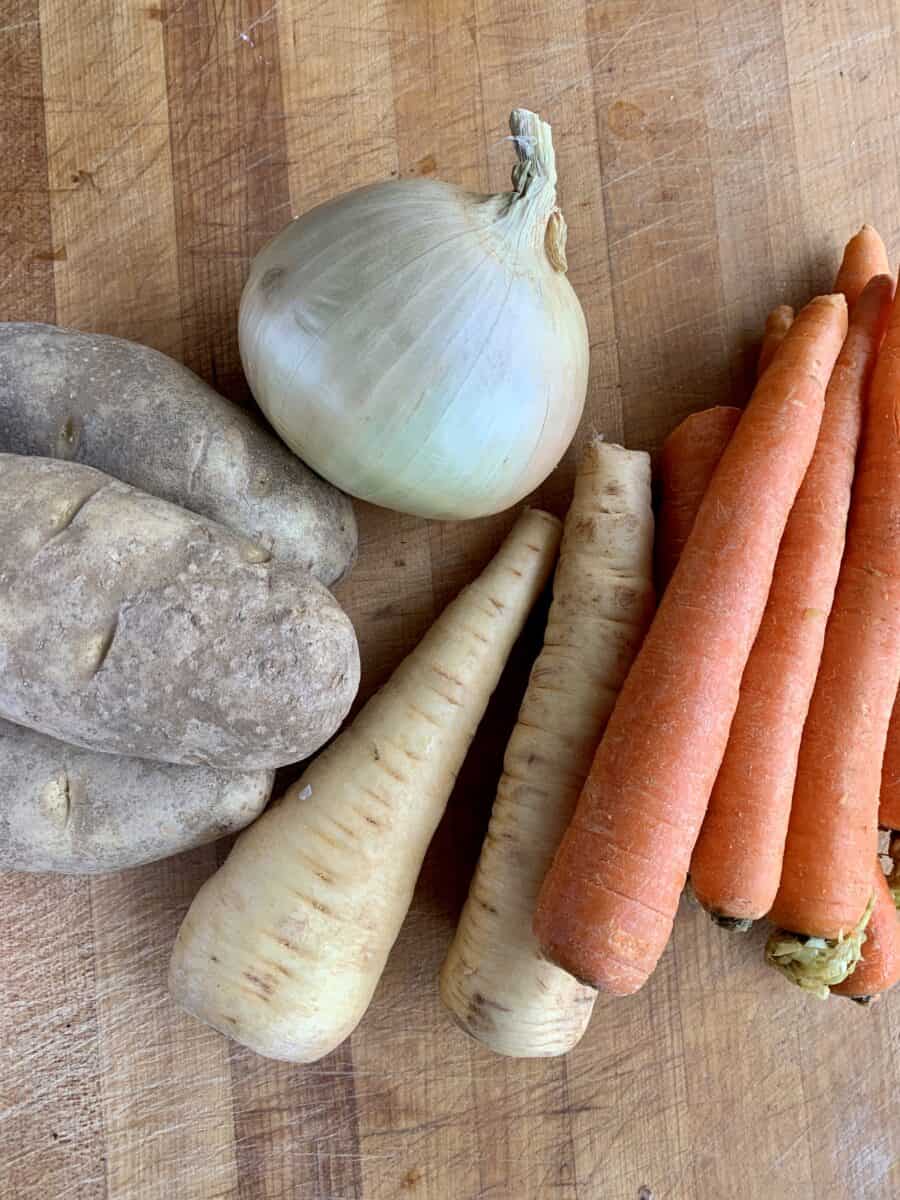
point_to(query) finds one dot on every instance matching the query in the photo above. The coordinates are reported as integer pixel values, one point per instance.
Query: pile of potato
(167, 636)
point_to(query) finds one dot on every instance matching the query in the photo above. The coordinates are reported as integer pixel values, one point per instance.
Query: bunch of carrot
(746, 746)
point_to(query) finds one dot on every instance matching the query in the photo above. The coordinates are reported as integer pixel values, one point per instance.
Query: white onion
(421, 346)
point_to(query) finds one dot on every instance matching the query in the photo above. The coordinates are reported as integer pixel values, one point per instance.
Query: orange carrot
(894, 876)
(691, 453)
(879, 967)
(833, 831)
(864, 256)
(778, 322)
(889, 800)
(736, 866)
(606, 908)
(689, 456)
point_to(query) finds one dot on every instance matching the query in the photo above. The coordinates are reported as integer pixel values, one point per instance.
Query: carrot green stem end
(818, 964)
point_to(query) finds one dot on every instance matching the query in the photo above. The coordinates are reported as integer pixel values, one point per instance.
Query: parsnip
(283, 947)
(495, 981)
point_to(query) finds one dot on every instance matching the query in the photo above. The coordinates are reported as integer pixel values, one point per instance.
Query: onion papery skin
(419, 346)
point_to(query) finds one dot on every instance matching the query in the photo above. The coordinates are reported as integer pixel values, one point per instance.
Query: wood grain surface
(713, 157)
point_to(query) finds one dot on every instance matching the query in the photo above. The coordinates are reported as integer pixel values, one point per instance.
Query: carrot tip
(818, 964)
(735, 924)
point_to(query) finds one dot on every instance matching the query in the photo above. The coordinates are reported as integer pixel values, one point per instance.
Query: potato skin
(147, 420)
(132, 626)
(81, 812)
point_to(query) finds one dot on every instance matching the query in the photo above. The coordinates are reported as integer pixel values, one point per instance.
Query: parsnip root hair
(495, 981)
(284, 946)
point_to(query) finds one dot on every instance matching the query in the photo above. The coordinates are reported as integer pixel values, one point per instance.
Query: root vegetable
(606, 908)
(736, 864)
(496, 983)
(284, 946)
(132, 626)
(878, 969)
(864, 257)
(889, 798)
(147, 420)
(689, 456)
(81, 812)
(691, 453)
(778, 322)
(833, 831)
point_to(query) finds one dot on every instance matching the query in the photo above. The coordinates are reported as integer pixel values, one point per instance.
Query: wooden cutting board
(713, 156)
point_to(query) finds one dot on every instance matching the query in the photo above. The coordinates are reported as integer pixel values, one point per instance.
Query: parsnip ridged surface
(284, 946)
(495, 981)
